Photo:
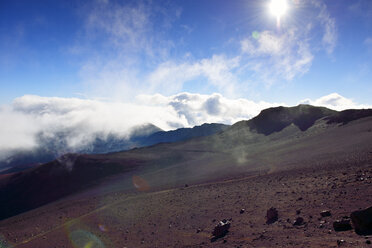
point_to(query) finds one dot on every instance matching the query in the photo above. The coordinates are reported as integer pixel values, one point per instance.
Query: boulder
(299, 221)
(221, 229)
(325, 213)
(362, 221)
(342, 225)
(271, 215)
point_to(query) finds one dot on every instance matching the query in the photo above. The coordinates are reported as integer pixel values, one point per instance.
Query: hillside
(243, 148)
(51, 148)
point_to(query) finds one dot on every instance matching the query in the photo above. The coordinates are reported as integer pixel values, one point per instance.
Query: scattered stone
(298, 211)
(271, 215)
(362, 221)
(198, 231)
(221, 229)
(342, 225)
(368, 242)
(299, 199)
(325, 213)
(242, 211)
(340, 242)
(186, 185)
(299, 221)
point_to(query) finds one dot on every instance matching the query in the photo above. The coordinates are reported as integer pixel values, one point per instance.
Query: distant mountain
(275, 139)
(276, 119)
(51, 148)
(180, 134)
(114, 143)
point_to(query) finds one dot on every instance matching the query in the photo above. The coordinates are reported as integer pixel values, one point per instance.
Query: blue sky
(115, 49)
(100, 67)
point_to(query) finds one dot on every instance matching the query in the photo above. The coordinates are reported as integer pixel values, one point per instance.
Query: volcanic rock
(340, 242)
(221, 229)
(299, 221)
(362, 221)
(342, 225)
(325, 213)
(271, 215)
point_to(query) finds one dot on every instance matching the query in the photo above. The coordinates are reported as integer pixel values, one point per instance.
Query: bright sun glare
(278, 8)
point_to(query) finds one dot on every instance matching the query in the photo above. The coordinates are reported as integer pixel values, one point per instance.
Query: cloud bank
(336, 102)
(82, 120)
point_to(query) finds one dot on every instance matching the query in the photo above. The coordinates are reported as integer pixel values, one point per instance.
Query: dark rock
(198, 231)
(340, 242)
(342, 225)
(299, 221)
(325, 213)
(368, 242)
(221, 229)
(186, 185)
(271, 215)
(298, 211)
(362, 221)
(242, 211)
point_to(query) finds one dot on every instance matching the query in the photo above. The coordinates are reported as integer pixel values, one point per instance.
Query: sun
(278, 8)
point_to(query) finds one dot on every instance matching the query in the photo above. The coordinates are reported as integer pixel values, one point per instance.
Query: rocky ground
(186, 216)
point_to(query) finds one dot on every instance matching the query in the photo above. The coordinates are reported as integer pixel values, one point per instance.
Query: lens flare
(140, 184)
(255, 35)
(102, 227)
(85, 239)
(4, 243)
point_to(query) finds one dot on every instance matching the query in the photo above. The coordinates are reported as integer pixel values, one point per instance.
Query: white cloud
(135, 51)
(170, 77)
(272, 55)
(287, 53)
(82, 120)
(328, 23)
(120, 42)
(336, 102)
(198, 109)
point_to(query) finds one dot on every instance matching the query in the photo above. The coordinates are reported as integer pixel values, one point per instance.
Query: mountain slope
(238, 150)
(143, 135)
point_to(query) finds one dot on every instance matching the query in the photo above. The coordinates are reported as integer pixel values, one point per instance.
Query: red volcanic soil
(186, 216)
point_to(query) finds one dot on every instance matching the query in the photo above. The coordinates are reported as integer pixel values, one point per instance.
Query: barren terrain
(175, 194)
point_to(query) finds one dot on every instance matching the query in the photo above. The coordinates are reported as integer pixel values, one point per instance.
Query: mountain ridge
(142, 135)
